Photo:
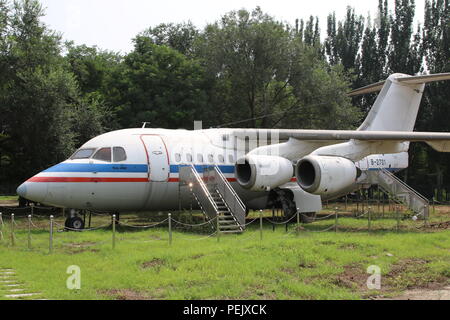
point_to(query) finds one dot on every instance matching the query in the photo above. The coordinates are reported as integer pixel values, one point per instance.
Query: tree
(180, 37)
(161, 86)
(434, 114)
(343, 45)
(39, 97)
(401, 57)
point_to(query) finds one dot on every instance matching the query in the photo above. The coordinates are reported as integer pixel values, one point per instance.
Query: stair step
(231, 224)
(234, 231)
(231, 227)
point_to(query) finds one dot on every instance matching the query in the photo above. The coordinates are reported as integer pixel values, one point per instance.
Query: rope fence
(170, 223)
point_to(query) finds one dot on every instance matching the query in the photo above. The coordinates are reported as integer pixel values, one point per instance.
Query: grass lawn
(9, 198)
(307, 265)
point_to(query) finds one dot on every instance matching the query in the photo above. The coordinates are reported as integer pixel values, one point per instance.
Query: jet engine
(322, 175)
(262, 173)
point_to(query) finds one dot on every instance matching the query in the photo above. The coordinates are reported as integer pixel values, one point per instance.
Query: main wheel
(308, 217)
(75, 223)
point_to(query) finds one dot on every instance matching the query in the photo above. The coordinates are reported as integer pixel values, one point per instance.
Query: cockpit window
(119, 154)
(82, 154)
(104, 154)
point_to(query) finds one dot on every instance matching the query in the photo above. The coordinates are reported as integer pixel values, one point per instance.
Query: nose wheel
(75, 223)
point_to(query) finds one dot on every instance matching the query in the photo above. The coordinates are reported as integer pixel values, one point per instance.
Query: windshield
(104, 154)
(83, 154)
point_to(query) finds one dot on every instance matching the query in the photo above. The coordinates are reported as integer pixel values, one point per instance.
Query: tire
(75, 223)
(308, 217)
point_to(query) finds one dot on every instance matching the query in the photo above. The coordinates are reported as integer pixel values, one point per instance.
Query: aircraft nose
(22, 190)
(33, 191)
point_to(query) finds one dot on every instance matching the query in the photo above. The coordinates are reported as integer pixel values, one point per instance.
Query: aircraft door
(157, 156)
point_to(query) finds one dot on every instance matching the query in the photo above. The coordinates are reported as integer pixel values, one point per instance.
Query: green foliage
(39, 98)
(163, 87)
(245, 69)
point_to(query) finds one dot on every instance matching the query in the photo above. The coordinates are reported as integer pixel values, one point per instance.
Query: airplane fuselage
(138, 170)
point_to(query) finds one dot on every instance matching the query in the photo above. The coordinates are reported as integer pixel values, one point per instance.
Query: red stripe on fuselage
(76, 179)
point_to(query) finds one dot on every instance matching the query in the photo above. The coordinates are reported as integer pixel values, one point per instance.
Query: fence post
(50, 245)
(218, 227)
(298, 222)
(336, 219)
(273, 219)
(113, 231)
(170, 229)
(369, 219)
(29, 231)
(260, 224)
(1, 226)
(13, 242)
(434, 207)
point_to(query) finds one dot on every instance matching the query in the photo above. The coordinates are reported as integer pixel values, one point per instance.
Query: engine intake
(322, 175)
(262, 173)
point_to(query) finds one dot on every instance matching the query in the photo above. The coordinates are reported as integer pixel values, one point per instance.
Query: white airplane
(138, 169)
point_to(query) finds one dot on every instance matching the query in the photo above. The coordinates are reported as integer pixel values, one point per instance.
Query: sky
(112, 24)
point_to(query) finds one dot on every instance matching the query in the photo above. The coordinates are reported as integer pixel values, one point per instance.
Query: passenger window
(82, 154)
(119, 154)
(178, 157)
(230, 158)
(104, 154)
(221, 158)
(200, 158)
(211, 158)
(189, 157)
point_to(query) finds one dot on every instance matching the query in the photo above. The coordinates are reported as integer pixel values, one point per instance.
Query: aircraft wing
(440, 141)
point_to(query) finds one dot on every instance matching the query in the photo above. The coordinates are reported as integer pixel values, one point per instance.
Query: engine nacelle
(322, 175)
(262, 173)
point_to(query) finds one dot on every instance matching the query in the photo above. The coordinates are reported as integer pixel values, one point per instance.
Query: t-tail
(397, 105)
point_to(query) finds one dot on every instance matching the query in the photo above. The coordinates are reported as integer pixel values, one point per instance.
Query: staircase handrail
(390, 175)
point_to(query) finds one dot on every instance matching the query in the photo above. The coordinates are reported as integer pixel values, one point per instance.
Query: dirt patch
(153, 264)
(128, 294)
(438, 226)
(353, 277)
(258, 291)
(409, 275)
(413, 273)
(81, 245)
(421, 294)
(76, 248)
(197, 256)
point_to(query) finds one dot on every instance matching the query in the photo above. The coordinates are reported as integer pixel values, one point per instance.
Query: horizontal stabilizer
(402, 79)
(375, 87)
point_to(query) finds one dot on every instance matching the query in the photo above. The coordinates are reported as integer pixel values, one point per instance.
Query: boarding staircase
(216, 197)
(399, 191)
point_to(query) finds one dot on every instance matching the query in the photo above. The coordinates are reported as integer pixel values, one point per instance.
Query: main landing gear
(284, 199)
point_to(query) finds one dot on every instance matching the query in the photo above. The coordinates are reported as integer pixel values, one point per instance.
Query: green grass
(310, 265)
(6, 198)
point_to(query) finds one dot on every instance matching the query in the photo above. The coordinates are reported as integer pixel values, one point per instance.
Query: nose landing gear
(74, 222)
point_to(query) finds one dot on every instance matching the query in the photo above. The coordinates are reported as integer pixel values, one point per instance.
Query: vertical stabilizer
(396, 106)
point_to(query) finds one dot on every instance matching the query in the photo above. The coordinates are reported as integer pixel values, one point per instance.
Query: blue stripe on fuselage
(91, 167)
(131, 168)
